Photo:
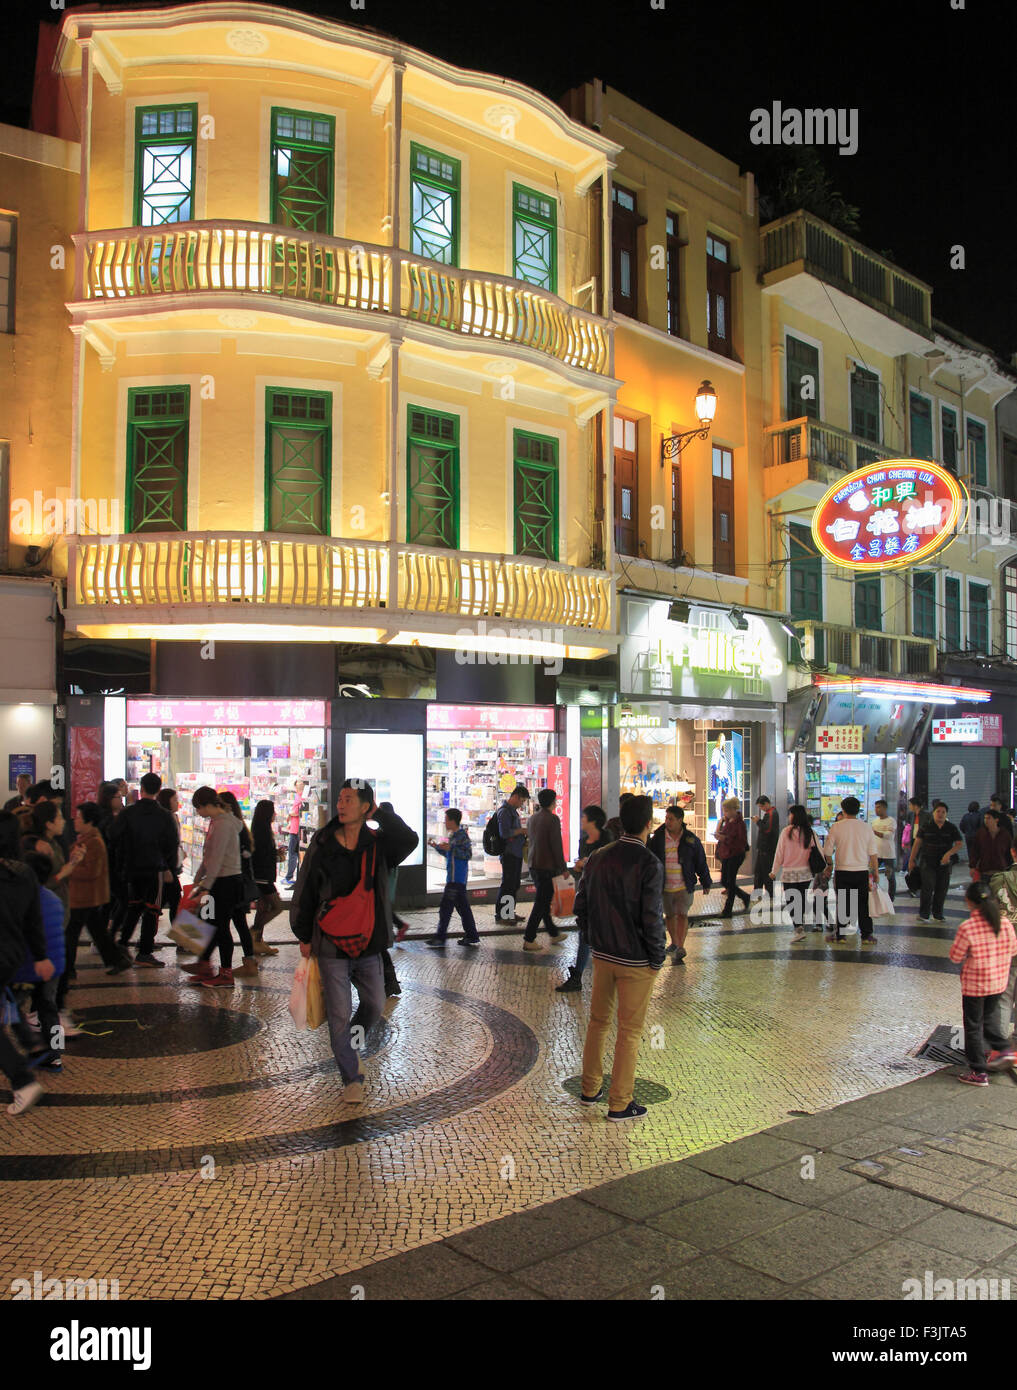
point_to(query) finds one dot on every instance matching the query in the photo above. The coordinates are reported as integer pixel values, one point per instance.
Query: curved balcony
(189, 578)
(193, 259)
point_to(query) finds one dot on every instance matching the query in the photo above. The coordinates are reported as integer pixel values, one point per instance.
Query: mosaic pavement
(196, 1145)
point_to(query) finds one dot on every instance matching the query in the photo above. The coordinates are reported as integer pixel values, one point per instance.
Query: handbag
(817, 859)
(348, 921)
(905, 838)
(189, 929)
(913, 879)
(563, 904)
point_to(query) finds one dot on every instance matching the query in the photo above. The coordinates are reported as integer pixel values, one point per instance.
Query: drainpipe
(395, 344)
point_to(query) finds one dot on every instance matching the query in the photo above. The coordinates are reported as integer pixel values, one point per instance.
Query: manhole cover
(643, 1092)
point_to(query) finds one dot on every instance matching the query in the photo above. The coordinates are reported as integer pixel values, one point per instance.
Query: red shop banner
(86, 766)
(888, 514)
(558, 781)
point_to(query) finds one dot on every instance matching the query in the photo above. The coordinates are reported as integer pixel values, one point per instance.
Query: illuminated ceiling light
(737, 619)
(914, 699)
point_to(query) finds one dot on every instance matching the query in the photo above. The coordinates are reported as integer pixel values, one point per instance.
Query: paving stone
(878, 1140)
(433, 1271)
(753, 1155)
(821, 1131)
(965, 1235)
(1005, 1290)
(607, 1265)
(712, 1277)
(793, 1181)
(522, 1239)
(506, 1290)
(725, 1217)
(803, 1247)
(885, 1208)
(641, 1195)
(880, 1273)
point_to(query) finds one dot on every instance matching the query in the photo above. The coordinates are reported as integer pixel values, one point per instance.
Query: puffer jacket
(21, 930)
(619, 904)
(691, 857)
(53, 928)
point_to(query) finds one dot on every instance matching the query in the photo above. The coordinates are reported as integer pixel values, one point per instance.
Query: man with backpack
(341, 914)
(506, 836)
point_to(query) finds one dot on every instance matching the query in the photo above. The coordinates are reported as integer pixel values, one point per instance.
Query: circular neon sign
(887, 514)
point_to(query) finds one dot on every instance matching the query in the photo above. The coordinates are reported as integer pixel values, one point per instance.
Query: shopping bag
(879, 903)
(190, 930)
(316, 1014)
(298, 994)
(563, 904)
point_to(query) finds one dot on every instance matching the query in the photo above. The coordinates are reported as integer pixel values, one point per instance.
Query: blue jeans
(338, 975)
(582, 956)
(292, 856)
(455, 897)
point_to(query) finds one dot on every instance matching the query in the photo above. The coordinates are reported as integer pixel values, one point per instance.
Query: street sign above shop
(704, 658)
(896, 512)
(956, 730)
(500, 718)
(294, 714)
(840, 738)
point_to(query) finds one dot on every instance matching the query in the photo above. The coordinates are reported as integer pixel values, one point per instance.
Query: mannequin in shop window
(720, 775)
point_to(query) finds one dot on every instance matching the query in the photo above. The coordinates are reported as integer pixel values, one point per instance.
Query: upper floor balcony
(860, 652)
(892, 308)
(193, 263)
(195, 585)
(809, 456)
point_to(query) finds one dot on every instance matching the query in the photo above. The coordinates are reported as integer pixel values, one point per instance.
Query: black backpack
(494, 845)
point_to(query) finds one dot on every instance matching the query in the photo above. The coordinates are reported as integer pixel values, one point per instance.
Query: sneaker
(669, 949)
(25, 1098)
(392, 990)
(592, 1100)
(532, 946)
(197, 967)
(998, 1061)
(923, 919)
(469, 941)
(403, 929)
(679, 954)
(201, 973)
(869, 940)
(353, 1094)
(573, 985)
(71, 1029)
(249, 969)
(941, 920)
(436, 943)
(224, 980)
(47, 1060)
(262, 948)
(146, 958)
(798, 936)
(974, 1078)
(631, 1112)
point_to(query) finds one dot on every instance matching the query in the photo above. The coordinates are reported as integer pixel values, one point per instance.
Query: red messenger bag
(348, 921)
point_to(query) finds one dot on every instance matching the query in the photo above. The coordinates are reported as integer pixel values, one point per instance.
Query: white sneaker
(25, 1098)
(71, 1029)
(532, 946)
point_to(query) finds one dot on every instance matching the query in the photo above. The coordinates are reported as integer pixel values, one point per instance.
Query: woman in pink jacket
(792, 862)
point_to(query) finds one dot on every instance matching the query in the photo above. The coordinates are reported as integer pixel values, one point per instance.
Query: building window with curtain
(951, 443)
(718, 295)
(923, 603)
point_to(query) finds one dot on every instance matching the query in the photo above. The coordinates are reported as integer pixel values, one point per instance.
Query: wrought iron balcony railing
(258, 573)
(250, 258)
(833, 256)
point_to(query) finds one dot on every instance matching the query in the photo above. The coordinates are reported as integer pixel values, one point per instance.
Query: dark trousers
(729, 881)
(796, 895)
(764, 863)
(238, 918)
(454, 898)
(541, 911)
(43, 1001)
(890, 865)
(144, 901)
(511, 873)
(171, 895)
(851, 888)
(983, 1019)
(92, 919)
(12, 1063)
(292, 857)
(269, 906)
(935, 882)
(226, 894)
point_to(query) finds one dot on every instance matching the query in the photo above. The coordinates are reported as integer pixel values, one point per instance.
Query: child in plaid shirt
(983, 946)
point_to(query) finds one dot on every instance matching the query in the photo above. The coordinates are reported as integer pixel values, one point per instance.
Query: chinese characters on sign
(558, 779)
(840, 738)
(984, 729)
(298, 714)
(501, 718)
(888, 514)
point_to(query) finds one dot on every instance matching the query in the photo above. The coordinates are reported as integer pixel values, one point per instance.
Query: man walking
(684, 861)
(510, 829)
(767, 825)
(341, 914)
(457, 850)
(145, 839)
(619, 910)
(547, 859)
(884, 828)
(937, 845)
(856, 851)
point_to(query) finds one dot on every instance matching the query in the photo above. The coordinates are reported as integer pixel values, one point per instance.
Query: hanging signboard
(840, 738)
(885, 515)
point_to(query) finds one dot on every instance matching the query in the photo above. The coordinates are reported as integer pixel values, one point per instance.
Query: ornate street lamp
(706, 407)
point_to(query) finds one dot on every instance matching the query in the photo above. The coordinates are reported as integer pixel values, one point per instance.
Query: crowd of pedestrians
(119, 866)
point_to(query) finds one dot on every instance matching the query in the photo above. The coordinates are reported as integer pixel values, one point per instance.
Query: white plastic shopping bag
(298, 995)
(879, 903)
(190, 930)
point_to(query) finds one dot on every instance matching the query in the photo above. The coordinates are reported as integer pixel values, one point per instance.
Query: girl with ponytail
(983, 948)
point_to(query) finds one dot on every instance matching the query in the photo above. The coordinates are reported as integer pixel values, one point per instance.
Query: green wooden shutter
(950, 440)
(434, 205)
(978, 618)
(802, 361)
(951, 614)
(923, 603)
(805, 583)
(303, 163)
(164, 156)
(977, 448)
(157, 436)
(920, 416)
(535, 495)
(534, 238)
(865, 412)
(432, 479)
(298, 462)
(868, 605)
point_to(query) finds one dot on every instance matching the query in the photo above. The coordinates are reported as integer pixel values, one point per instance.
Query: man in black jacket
(144, 838)
(345, 859)
(21, 935)
(619, 910)
(684, 861)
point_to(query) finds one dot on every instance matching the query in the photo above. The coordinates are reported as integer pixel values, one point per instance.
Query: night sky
(933, 87)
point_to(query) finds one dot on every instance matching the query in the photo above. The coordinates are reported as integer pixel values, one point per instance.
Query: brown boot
(249, 969)
(262, 948)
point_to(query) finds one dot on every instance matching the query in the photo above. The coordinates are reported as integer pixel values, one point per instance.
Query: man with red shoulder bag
(341, 914)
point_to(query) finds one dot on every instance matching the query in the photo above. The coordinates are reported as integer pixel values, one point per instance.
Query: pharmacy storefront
(699, 718)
